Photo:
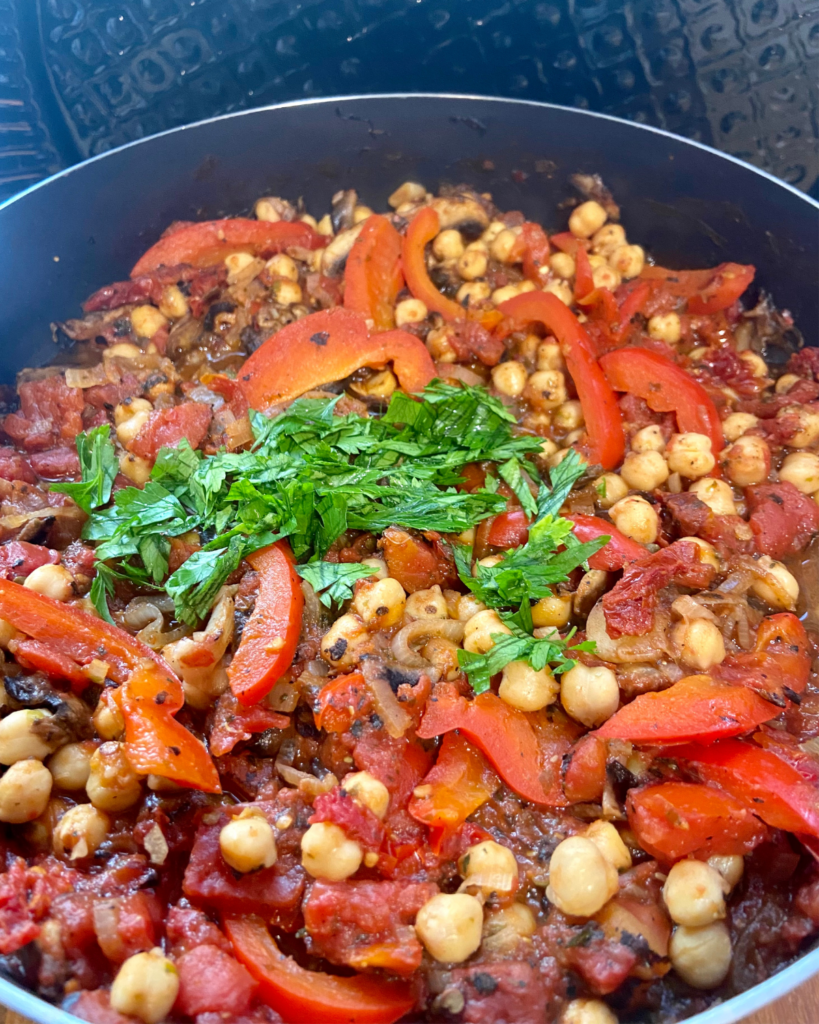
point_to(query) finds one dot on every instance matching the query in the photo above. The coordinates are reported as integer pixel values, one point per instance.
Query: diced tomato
(341, 701)
(511, 991)
(509, 529)
(624, 916)
(95, 1007)
(779, 662)
(697, 707)
(357, 820)
(584, 770)
(619, 549)
(367, 925)
(167, 427)
(125, 925)
(414, 562)
(50, 413)
(19, 558)
(456, 786)
(234, 723)
(673, 820)
(14, 466)
(56, 463)
(782, 518)
(186, 927)
(210, 981)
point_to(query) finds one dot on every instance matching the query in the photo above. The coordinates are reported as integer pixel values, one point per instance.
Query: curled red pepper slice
(620, 549)
(775, 790)
(372, 275)
(312, 997)
(423, 227)
(697, 707)
(155, 743)
(271, 634)
(532, 247)
(606, 440)
(706, 291)
(666, 387)
(207, 243)
(325, 347)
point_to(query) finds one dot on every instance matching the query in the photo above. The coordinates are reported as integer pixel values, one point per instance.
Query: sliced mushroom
(463, 213)
(335, 255)
(342, 209)
(72, 717)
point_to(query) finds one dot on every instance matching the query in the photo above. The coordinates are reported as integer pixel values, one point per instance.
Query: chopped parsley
(99, 465)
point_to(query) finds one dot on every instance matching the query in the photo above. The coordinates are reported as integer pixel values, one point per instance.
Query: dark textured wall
(78, 77)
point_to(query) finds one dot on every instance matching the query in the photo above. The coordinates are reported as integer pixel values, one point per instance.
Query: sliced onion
(395, 718)
(628, 648)
(689, 608)
(423, 629)
(87, 376)
(239, 433)
(308, 785)
(145, 614)
(285, 695)
(454, 371)
(15, 521)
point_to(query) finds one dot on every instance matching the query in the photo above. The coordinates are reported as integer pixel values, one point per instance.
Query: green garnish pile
(310, 476)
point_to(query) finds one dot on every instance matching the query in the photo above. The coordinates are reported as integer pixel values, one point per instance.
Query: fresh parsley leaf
(99, 466)
(513, 475)
(198, 580)
(102, 588)
(333, 580)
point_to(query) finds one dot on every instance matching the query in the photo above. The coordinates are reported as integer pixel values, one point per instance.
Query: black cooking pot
(686, 204)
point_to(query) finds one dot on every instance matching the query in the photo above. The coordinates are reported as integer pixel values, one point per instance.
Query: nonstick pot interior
(686, 204)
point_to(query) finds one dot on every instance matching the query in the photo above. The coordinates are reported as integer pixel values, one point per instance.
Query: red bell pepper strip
(697, 707)
(583, 280)
(372, 275)
(76, 634)
(675, 819)
(155, 743)
(775, 790)
(779, 662)
(36, 655)
(207, 243)
(423, 227)
(600, 409)
(620, 549)
(301, 996)
(707, 291)
(271, 634)
(532, 247)
(584, 770)
(569, 243)
(666, 387)
(506, 736)
(458, 783)
(329, 346)
(637, 294)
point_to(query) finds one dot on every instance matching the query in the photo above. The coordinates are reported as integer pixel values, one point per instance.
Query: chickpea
(502, 246)
(24, 735)
(146, 986)
(607, 840)
(112, 785)
(648, 439)
(409, 192)
(439, 345)
(147, 320)
(450, 926)
(380, 604)
(806, 423)
(378, 565)
(785, 383)
(307, 219)
(173, 304)
(325, 227)
(782, 591)
(606, 277)
(587, 219)
(427, 604)
(509, 291)
(690, 455)
(716, 494)
(588, 1011)
(492, 232)
(473, 292)
(636, 518)
(282, 266)
(707, 552)
(327, 853)
(628, 260)
(737, 424)
(546, 389)
(608, 238)
(345, 642)
(548, 448)
(504, 928)
(468, 606)
(562, 289)
(479, 629)
(700, 643)
(54, 581)
(569, 415)
(590, 695)
(287, 293)
(81, 831)
(694, 893)
(701, 956)
(108, 721)
(747, 461)
(610, 489)
(361, 213)
(490, 866)
(802, 470)
(70, 766)
(730, 866)
(562, 264)
(410, 311)
(128, 430)
(367, 790)
(24, 791)
(527, 688)
(581, 879)
(247, 842)
(510, 378)
(549, 356)
(448, 245)
(756, 364)
(555, 610)
(268, 209)
(122, 350)
(136, 469)
(125, 410)
(665, 327)
(643, 471)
